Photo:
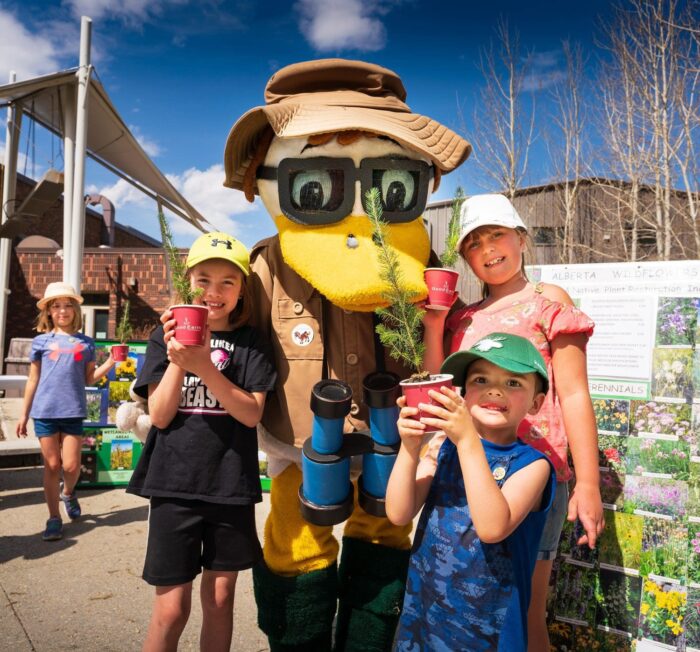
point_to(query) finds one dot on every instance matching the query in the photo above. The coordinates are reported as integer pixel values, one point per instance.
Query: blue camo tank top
(462, 594)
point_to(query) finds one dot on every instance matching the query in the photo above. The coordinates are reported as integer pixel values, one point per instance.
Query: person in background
(492, 242)
(62, 363)
(199, 465)
(485, 497)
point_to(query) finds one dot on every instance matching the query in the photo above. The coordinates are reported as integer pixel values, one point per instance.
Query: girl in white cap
(62, 364)
(199, 465)
(492, 242)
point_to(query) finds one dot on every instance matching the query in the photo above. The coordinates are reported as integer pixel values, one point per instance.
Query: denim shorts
(50, 427)
(549, 543)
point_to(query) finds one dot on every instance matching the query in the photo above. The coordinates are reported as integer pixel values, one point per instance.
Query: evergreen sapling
(178, 271)
(400, 327)
(450, 254)
(124, 330)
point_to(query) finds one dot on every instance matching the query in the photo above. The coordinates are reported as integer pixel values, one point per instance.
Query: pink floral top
(540, 320)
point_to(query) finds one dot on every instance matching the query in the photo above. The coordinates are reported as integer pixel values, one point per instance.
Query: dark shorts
(50, 427)
(185, 536)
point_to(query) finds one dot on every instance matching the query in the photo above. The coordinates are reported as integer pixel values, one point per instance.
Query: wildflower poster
(640, 588)
(109, 456)
(115, 385)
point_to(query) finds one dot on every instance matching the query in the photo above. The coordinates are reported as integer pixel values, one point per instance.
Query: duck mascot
(329, 130)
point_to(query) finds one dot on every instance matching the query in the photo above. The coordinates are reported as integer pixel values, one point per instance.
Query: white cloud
(149, 146)
(28, 54)
(131, 12)
(544, 70)
(202, 188)
(331, 25)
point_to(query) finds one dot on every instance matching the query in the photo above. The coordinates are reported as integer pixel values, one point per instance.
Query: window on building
(95, 311)
(547, 235)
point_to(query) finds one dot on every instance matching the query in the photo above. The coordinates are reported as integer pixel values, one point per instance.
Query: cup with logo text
(190, 324)
(442, 284)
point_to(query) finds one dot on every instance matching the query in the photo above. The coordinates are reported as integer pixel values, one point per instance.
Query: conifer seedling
(449, 256)
(178, 271)
(400, 327)
(124, 330)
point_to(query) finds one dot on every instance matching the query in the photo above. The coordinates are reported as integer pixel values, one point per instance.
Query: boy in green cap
(486, 497)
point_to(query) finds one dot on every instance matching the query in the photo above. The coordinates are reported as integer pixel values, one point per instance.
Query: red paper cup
(119, 352)
(191, 322)
(441, 287)
(417, 392)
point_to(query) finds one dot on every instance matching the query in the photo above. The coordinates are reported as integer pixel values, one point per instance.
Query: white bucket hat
(487, 210)
(58, 290)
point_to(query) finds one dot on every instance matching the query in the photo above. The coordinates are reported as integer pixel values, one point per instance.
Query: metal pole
(68, 101)
(9, 188)
(78, 216)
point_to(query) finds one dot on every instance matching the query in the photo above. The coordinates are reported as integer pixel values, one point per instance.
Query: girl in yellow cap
(62, 364)
(199, 465)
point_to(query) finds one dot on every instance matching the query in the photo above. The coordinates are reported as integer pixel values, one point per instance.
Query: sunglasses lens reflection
(317, 190)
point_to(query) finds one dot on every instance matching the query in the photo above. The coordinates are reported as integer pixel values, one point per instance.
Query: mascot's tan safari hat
(327, 95)
(58, 290)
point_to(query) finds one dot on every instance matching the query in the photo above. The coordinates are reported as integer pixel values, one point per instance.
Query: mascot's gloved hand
(132, 416)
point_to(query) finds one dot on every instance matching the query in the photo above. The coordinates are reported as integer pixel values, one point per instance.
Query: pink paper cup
(417, 392)
(441, 287)
(191, 322)
(119, 352)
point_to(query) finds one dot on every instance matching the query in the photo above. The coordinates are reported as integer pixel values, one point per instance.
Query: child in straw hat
(62, 364)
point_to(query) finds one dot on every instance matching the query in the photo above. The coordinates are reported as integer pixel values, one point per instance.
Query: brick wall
(105, 271)
(133, 269)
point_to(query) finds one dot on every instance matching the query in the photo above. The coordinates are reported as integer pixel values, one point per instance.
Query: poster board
(640, 588)
(109, 456)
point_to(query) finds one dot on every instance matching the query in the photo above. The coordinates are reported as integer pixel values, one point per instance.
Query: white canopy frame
(90, 126)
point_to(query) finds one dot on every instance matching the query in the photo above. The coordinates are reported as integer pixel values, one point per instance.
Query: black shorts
(185, 536)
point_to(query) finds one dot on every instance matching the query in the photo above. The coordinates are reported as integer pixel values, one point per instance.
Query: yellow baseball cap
(219, 245)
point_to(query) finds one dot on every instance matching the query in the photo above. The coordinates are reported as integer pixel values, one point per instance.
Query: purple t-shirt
(61, 390)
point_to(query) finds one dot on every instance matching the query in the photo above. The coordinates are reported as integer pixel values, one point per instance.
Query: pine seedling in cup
(449, 256)
(400, 330)
(191, 319)
(124, 333)
(442, 281)
(400, 327)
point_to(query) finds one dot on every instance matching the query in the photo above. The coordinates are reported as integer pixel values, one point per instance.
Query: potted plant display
(124, 334)
(191, 319)
(442, 281)
(400, 322)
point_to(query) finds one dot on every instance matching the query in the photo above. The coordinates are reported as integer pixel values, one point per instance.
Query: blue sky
(180, 73)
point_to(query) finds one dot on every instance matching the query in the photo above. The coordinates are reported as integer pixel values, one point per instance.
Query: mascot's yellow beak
(341, 261)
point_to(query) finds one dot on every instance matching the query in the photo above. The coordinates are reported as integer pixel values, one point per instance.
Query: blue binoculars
(326, 495)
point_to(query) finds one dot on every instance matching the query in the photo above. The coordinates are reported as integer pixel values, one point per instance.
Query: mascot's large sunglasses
(321, 190)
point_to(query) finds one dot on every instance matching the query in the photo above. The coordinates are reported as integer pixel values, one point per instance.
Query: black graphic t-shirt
(205, 454)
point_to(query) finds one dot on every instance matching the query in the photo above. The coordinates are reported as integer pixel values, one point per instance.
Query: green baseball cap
(507, 351)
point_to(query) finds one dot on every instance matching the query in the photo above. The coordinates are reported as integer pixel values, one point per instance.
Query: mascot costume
(329, 130)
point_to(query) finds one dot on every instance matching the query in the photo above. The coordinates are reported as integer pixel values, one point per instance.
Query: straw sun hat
(58, 290)
(327, 95)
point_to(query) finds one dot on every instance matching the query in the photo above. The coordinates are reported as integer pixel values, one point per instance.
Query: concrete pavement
(85, 591)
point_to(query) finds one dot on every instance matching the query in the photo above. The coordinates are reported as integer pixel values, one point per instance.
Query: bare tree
(503, 127)
(569, 161)
(651, 122)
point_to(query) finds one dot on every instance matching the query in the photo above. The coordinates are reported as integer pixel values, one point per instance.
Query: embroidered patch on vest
(302, 335)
